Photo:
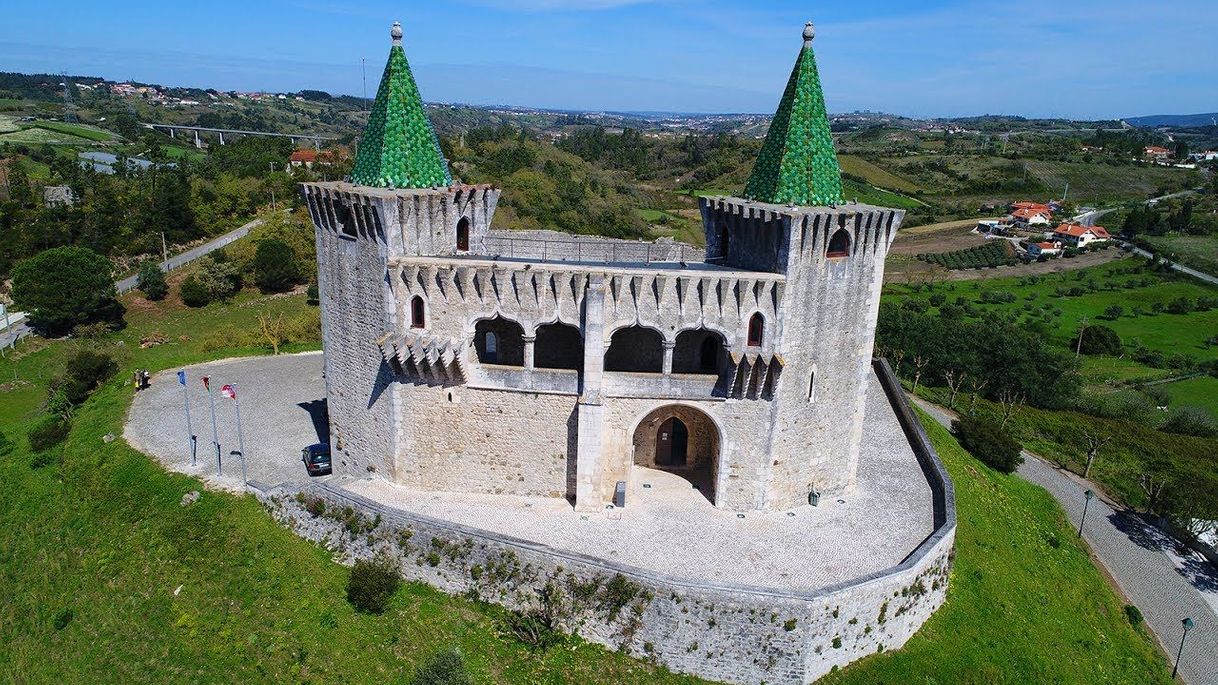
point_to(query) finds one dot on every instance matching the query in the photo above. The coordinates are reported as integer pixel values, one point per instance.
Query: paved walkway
(178, 261)
(282, 411)
(1145, 563)
(667, 525)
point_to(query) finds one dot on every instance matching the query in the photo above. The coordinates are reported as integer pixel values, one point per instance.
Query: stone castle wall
(736, 634)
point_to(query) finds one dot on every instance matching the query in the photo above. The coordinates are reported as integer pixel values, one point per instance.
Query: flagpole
(240, 437)
(190, 432)
(215, 438)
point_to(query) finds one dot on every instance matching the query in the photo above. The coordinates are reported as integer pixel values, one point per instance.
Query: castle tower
(793, 221)
(399, 201)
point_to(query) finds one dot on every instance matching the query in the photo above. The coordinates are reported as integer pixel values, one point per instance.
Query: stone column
(528, 350)
(589, 460)
(668, 347)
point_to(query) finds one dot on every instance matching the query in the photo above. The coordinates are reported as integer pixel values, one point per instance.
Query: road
(1089, 218)
(178, 261)
(1181, 268)
(1147, 565)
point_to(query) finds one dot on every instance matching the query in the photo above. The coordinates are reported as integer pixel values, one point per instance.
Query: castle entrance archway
(680, 440)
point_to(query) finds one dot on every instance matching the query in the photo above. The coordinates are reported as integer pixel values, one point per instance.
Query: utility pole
(164, 252)
(1082, 327)
(1065, 192)
(364, 73)
(273, 207)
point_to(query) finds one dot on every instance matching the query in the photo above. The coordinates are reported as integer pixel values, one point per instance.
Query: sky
(1084, 59)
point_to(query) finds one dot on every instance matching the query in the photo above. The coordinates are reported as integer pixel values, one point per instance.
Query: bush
(443, 668)
(219, 276)
(6, 445)
(152, 281)
(83, 372)
(311, 295)
(1133, 614)
(1114, 312)
(194, 293)
(987, 441)
(371, 584)
(1193, 421)
(49, 432)
(64, 287)
(275, 267)
(1100, 340)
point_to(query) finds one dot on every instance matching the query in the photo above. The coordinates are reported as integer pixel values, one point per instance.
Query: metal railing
(607, 251)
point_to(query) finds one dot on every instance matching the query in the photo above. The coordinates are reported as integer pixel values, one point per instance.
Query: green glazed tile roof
(797, 164)
(399, 148)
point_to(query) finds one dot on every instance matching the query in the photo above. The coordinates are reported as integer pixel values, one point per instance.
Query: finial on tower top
(396, 33)
(809, 34)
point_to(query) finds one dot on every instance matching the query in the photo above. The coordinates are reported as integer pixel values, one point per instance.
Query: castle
(479, 379)
(466, 358)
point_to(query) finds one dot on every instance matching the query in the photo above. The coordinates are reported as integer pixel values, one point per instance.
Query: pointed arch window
(418, 313)
(756, 330)
(463, 235)
(839, 245)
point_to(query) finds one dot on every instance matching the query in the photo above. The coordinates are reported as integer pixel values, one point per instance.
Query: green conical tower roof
(399, 149)
(797, 164)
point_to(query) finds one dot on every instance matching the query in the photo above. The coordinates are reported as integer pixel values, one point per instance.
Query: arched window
(499, 341)
(756, 330)
(418, 315)
(463, 235)
(839, 245)
(635, 349)
(558, 346)
(708, 356)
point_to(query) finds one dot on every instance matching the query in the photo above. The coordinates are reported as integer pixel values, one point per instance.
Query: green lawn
(1026, 604)
(99, 532)
(875, 175)
(1098, 370)
(77, 130)
(1196, 392)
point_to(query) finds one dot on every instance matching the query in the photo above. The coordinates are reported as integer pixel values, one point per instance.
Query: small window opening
(756, 330)
(725, 240)
(492, 348)
(418, 317)
(463, 235)
(839, 245)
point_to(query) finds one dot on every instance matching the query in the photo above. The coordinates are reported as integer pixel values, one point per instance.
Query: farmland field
(1201, 391)
(876, 176)
(77, 130)
(37, 136)
(1197, 251)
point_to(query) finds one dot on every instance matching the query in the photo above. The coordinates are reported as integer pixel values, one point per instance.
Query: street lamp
(1188, 625)
(1089, 495)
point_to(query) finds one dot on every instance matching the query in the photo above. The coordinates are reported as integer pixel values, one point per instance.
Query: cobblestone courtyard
(667, 525)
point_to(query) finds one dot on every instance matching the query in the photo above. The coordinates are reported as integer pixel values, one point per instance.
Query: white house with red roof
(1046, 248)
(1157, 153)
(1075, 235)
(303, 158)
(1032, 216)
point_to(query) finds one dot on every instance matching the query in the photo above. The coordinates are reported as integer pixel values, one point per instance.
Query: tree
(193, 292)
(1099, 340)
(1094, 442)
(372, 583)
(219, 276)
(1113, 312)
(272, 331)
(152, 281)
(64, 287)
(275, 266)
(955, 380)
(988, 442)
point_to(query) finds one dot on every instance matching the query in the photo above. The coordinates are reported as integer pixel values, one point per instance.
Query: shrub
(49, 432)
(1114, 312)
(6, 445)
(443, 668)
(152, 281)
(275, 266)
(219, 276)
(64, 287)
(83, 372)
(371, 584)
(1100, 340)
(1193, 421)
(311, 295)
(987, 441)
(193, 292)
(1133, 614)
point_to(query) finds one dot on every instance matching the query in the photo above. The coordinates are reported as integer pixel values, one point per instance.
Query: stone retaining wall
(737, 634)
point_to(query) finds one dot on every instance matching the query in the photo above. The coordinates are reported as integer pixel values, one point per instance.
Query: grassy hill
(109, 579)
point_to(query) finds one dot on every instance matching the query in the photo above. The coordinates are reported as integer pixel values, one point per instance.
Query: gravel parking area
(282, 410)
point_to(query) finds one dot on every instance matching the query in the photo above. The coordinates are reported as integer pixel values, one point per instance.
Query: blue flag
(182, 377)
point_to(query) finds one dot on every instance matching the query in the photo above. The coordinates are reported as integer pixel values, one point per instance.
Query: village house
(1074, 235)
(1156, 153)
(1045, 248)
(303, 158)
(1027, 218)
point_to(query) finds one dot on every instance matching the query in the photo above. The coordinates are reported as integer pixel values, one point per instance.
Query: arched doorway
(683, 441)
(672, 443)
(463, 235)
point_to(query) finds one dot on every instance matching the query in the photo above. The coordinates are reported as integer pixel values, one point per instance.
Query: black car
(316, 459)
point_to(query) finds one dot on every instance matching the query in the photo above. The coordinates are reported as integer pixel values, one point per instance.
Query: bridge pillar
(198, 143)
(221, 137)
(173, 133)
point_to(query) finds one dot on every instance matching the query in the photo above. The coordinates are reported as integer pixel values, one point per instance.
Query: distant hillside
(1177, 120)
